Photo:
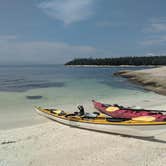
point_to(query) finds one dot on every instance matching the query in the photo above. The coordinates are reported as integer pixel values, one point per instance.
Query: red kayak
(117, 111)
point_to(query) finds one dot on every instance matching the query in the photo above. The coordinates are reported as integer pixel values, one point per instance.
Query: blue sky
(55, 31)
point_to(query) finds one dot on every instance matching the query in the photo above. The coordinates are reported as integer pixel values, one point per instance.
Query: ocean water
(23, 87)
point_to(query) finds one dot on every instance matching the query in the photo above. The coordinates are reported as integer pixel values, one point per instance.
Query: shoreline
(151, 79)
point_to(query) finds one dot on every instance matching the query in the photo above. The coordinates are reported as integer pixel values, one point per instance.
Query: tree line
(137, 61)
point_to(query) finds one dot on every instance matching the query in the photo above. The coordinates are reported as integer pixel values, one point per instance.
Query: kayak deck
(129, 127)
(98, 120)
(137, 115)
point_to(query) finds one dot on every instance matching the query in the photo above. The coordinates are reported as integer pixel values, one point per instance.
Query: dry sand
(55, 144)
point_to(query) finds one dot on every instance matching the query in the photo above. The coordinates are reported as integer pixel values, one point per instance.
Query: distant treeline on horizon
(137, 61)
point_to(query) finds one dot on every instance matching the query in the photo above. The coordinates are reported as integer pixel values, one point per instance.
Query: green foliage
(137, 61)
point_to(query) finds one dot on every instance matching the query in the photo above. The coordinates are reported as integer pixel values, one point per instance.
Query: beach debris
(146, 101)
(7, 142)
(34, 97)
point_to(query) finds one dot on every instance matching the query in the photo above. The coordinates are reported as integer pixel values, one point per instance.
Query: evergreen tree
(137, 61)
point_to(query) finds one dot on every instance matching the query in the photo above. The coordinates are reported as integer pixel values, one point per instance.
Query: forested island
(136, 61)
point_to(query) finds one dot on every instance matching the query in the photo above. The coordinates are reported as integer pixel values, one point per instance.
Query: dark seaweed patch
(27, 85)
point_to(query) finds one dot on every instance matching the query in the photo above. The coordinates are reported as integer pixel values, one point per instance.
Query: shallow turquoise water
(58, 86)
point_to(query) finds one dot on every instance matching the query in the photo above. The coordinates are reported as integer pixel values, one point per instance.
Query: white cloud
(68, 11)
(156, 30)
(154, 41)
(104, 24)
(15, 51)
(112, 24)
(150, 54)
(7, 37)
(156, 25)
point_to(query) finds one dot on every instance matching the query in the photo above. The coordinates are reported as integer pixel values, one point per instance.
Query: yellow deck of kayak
(98, 120)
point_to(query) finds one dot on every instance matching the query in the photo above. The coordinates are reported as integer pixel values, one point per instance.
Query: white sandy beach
(51, 143)
(54, 144)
